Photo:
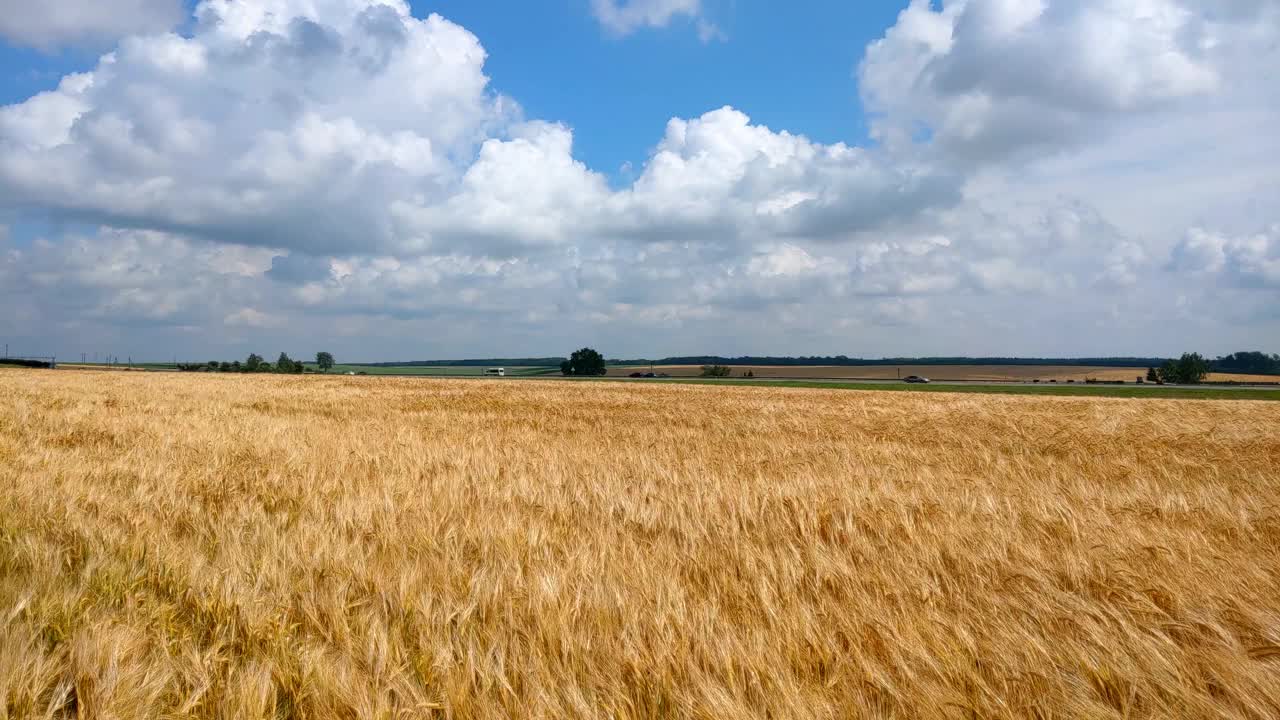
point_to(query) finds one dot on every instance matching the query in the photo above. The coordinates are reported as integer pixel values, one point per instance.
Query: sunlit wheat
(306, 547)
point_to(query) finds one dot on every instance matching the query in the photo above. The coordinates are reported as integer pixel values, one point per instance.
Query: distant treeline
(1258, 363)
(1242, 362)
(838, 360)
(842, 361)
(25, 363)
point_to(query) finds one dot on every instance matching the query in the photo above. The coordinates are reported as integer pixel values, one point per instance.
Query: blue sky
(984, 177)
(789, 68)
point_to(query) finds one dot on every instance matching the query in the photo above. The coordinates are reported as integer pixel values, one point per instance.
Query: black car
(636, 375)
(915, 379)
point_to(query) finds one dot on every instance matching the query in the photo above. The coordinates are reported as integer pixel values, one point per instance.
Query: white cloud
(624, 17)
(250, 317)
(50, 23)
(1246, 261)
(224, 136)
(720, 174)
(520, 193)
(982, 79)
(275, 124)
(785, 261)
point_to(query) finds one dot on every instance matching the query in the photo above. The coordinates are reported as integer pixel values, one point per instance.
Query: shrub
(716, 371)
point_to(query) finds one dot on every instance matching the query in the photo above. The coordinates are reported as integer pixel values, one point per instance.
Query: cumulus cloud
(721, 173)
(1247, 260)
(272, 125)
(624, 17)
(521, 193)
(983, 79)
(352, 127)
(50, 23)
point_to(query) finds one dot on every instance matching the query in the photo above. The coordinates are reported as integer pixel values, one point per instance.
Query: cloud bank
(344, 170)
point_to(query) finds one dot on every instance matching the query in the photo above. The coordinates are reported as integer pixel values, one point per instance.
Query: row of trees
(1248, 362)
(257, 364)
(1190, 369)
(1253, 362)
(1193, 368)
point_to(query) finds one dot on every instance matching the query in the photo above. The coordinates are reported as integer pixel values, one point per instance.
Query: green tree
(253, 363)
(585, 362)
(716, 371)
(324, 361)
(284, 364)
(1152, 375)
(1190, 369)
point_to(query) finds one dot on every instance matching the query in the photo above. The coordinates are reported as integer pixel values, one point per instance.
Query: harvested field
(211, 546)
(939, 372)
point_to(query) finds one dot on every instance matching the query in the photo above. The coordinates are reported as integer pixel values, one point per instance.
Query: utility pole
(82, 357)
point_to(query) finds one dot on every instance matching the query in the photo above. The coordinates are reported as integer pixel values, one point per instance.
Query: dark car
(636, 375)
(915, 379)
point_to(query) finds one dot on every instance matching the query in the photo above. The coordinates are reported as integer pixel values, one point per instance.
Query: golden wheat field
(179, 546)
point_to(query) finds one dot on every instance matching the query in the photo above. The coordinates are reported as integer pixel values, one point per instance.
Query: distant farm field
(235, 546)
(436, 370)
(936, 372)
